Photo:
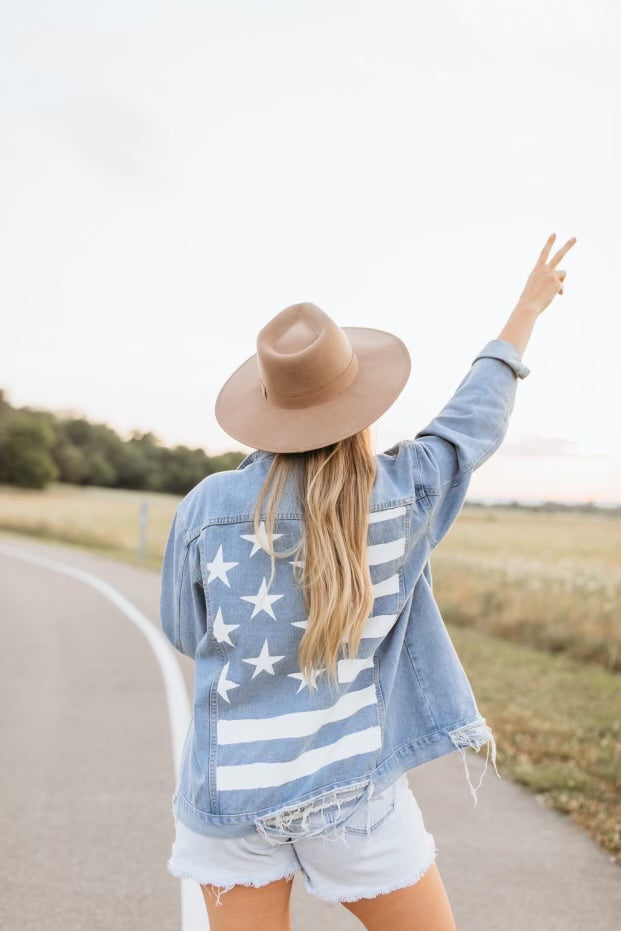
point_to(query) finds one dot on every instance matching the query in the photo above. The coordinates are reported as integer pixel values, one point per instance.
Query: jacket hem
(472, 734)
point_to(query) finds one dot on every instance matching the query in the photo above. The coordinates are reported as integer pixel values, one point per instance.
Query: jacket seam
(294, 516)
(178, 599)
(425, 495)
(428, 536)
(213, 711)
(381, 704)
(197, 577)
(419, 470)
(190, 535)
(420, 685)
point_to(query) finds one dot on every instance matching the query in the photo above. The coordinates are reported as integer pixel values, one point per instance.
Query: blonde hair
(331, 564)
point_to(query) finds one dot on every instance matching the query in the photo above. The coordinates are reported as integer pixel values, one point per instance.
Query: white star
(302, 624)
(262, 601)
(259, 541)
(218, 568)
(264, 662)
(221, 630)
(224, 684)
(297, 562)
(304, 680)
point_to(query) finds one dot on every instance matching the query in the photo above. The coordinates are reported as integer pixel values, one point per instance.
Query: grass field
(531, 600)
(557, 724)
(551, 580)
(105, 519)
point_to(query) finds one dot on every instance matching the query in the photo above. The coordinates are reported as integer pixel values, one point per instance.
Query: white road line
(193, 912)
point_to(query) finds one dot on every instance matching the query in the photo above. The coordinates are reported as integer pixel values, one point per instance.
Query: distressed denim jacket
(261, 752)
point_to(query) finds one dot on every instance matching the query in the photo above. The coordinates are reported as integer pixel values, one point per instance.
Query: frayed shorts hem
(399, 884)
(202, 880)
(385, 846)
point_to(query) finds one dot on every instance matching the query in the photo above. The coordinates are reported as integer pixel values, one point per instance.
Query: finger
(543, 255)
(561, 252)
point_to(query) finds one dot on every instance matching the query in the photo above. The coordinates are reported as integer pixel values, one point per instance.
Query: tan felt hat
(311, 382)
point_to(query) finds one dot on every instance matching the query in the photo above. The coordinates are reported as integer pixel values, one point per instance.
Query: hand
(544, 282)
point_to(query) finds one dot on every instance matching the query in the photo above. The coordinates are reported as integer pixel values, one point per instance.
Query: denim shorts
(367, 847)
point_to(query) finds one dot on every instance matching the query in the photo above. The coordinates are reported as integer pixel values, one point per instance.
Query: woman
(323, 668)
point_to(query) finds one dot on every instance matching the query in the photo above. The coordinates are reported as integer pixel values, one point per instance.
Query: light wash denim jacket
(261, 752)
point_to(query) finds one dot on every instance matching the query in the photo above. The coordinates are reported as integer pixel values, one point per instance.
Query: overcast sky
(174, 174)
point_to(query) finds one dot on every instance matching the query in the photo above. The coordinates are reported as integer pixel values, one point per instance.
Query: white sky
(175, 174)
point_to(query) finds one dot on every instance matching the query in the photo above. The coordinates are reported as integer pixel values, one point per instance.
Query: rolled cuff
(507, 352)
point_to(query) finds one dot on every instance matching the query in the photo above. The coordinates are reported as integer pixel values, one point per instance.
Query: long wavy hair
(330, 560)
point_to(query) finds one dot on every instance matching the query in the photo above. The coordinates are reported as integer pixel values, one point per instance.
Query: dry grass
(552, 580)
(105, 519)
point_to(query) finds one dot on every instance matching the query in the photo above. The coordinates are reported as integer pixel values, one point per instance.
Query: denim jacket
(261, 752)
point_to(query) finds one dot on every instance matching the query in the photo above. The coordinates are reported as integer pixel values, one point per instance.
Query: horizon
(507, 499)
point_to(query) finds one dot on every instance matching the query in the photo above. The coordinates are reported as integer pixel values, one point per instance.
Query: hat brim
(246, 415)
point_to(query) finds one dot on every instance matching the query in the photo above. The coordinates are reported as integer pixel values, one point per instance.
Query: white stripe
(192, 904)
(386, 514)
(348, 669)
(389, 586)
(296, 723)
(377, 626)
(385, 552)
(265, 775)
(377, 553)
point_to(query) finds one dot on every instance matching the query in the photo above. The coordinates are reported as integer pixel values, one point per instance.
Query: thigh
(266, 908)
(423, 905)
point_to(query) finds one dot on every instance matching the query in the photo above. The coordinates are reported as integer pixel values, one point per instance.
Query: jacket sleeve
(468, 429)
(183, 607)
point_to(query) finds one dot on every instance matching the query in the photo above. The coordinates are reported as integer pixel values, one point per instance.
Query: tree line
(38, 447)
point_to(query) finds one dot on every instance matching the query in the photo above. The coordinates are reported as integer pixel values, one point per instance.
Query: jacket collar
(253, 457)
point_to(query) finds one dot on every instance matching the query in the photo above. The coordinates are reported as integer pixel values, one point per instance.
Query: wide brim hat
(311, 382)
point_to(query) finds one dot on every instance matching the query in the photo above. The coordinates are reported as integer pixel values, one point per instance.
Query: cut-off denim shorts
(363, 847)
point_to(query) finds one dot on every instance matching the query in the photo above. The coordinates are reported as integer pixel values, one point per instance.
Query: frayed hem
(291, 823)
(226, 887)
(475, 735)
(401, 884)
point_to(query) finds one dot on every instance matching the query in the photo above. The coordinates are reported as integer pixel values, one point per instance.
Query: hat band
(326, 393)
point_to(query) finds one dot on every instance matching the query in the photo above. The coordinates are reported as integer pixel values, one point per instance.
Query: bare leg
(265, 908)
(423, 906)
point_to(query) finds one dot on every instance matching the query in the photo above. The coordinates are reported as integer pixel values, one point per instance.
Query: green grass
(557, 724)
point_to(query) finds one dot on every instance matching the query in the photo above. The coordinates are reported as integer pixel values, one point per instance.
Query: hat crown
(311, 383)
(304, 357)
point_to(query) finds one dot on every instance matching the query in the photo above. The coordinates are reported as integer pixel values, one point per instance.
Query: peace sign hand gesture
(544, 282)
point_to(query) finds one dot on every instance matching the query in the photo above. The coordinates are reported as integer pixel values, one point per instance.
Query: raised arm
(473, 424)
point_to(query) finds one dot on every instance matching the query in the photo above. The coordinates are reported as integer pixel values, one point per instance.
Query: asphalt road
(88, 770)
